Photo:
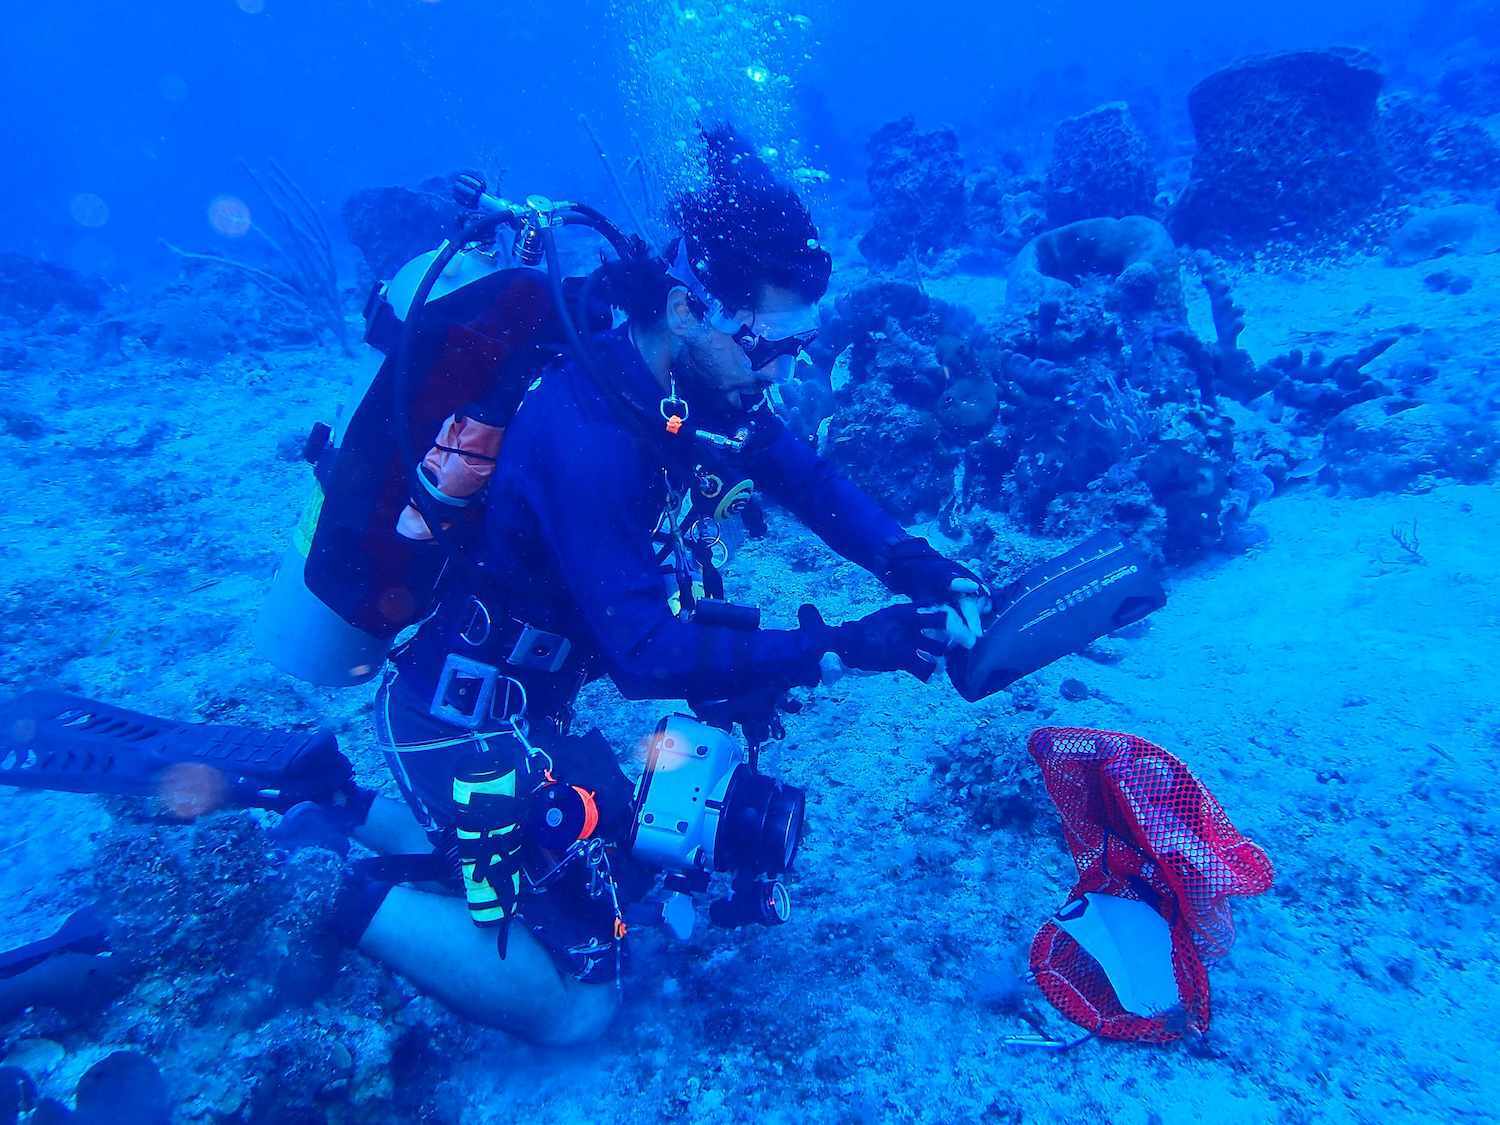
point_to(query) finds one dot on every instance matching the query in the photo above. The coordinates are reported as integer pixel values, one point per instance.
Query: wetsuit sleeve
(596, 502)
(841, 514)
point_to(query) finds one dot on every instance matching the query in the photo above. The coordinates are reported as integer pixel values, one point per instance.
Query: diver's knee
(584, 1015)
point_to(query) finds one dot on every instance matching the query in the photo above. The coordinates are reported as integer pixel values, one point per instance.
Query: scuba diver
(602, 445)
(601, 519)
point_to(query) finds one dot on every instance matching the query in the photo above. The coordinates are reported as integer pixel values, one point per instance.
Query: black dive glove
(889, 640)
(911, 567)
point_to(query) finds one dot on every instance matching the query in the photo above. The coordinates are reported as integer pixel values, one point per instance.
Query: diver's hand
(831, 669)
(913, 568)
(898, 638)
(968, 602)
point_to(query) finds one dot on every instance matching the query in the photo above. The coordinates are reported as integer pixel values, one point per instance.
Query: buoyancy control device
(463, 333)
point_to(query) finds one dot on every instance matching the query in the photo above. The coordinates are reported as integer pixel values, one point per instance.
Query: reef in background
(1113, 385)
(1088, 398)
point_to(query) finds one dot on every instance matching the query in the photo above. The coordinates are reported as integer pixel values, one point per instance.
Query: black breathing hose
(401, 393)
(619, 241)
(411, 334)
(634, 412)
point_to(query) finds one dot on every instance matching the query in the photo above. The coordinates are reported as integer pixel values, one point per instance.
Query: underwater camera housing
(701, 808)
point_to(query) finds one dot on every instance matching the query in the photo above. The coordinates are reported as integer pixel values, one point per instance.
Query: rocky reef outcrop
(1428, 145)
(1434, 232)
(1007, 208)
(391, 225)
(31, 286)
(1084, 407)
(1090, 401)
(916, 181)
(1289, 147)
(1396, 443)
(897, 397)
(1473, 83)
(1112, 419)
(1102, 167)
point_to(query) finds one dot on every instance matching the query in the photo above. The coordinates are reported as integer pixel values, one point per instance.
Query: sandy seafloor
(1337, 695)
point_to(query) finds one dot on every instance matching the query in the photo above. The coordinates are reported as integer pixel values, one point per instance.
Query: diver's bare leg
(431, 941)
(391, 829)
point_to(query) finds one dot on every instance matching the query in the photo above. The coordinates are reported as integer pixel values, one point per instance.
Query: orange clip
(620, 928)
(674, 424)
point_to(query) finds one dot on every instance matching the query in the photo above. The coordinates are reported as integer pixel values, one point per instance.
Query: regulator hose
(620, 242)
(576, 214)
(635, 414)
(401, 391)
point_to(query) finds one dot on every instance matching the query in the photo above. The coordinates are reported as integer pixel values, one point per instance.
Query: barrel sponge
(1120, 251)
(1102, 166)
(1288, 147)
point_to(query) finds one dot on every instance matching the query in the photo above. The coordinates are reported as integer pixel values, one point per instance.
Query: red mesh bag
(1140, 826)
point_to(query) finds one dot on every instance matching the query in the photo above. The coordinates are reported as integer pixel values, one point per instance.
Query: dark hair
(746, 229)
(636, 284)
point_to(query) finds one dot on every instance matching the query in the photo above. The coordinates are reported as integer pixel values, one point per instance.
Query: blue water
(1245, 318)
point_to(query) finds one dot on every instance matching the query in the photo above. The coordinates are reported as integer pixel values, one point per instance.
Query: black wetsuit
(580, 487)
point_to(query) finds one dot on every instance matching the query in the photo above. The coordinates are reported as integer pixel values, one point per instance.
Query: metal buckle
(539, 650)
(482, 678)
(479, 615)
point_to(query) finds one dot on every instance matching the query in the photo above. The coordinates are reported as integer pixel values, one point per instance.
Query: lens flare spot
(229, 215)
(190, 789)
(252, 7)
(173, 87)
(88, 210)
(398, 605)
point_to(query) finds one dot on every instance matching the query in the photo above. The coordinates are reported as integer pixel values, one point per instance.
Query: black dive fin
(50, 740)
(85, 931)
(73, 969)
(69, 982)
(1055, 609)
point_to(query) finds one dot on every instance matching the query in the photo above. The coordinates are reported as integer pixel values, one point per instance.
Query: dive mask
(770, 339)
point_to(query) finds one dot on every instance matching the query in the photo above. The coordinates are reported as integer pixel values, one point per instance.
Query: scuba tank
(363, 563)
(463, 338)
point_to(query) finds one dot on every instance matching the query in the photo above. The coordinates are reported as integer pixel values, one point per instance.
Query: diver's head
(726, 358)
(734, 299)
